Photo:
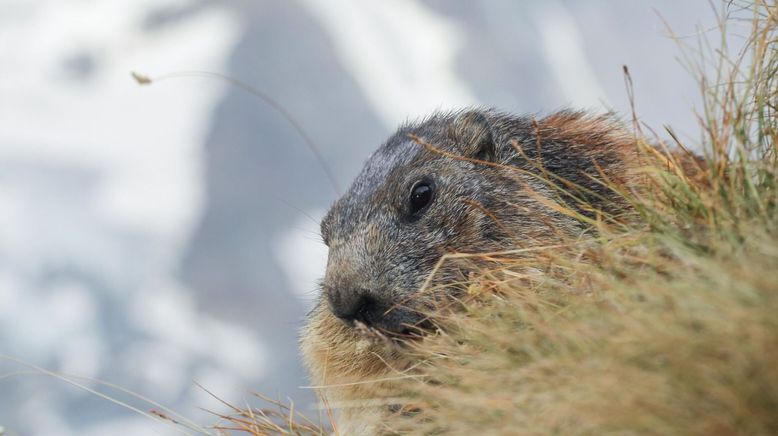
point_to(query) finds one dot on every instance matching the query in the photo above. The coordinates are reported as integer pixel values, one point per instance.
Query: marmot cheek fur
(464, 181)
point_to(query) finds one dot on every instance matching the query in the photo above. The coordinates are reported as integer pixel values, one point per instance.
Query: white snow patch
(145, 140)
(400, 52)
(100, 188)
(565, 54)
(302, 255)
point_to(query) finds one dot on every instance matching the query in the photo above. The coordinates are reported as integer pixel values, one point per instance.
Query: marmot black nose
(355, 305)
(362, 306)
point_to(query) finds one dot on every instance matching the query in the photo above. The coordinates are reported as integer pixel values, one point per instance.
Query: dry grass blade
(278, 419)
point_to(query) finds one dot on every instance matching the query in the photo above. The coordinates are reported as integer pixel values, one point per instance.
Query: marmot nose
(364, 306)
(356, 305)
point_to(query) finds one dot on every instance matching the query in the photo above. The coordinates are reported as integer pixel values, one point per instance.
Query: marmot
(463, 181)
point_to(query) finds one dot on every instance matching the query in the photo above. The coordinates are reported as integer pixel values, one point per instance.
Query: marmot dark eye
(421, 195)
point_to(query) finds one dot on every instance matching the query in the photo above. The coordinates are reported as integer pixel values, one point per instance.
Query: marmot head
(455, 182)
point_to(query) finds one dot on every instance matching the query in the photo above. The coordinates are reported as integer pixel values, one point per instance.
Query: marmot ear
(472, 133)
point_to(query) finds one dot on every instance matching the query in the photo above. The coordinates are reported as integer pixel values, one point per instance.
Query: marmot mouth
(412, 333)
(418, 330)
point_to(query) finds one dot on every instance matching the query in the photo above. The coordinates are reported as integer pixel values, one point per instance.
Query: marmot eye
(421, 196)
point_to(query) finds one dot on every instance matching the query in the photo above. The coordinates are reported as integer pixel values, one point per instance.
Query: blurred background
(159, 236)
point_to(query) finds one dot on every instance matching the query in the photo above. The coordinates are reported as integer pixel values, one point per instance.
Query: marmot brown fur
(469, 181)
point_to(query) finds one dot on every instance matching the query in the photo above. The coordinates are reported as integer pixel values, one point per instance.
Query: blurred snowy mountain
(100, 190)
(158, 236)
